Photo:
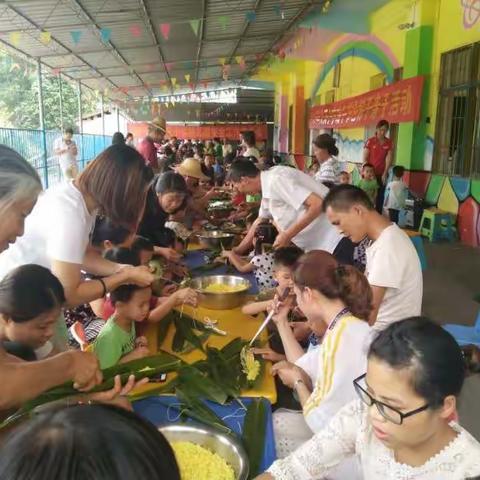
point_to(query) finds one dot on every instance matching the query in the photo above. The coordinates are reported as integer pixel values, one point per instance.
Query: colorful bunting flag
(55, 71)
(239, 59)
(250, 16)
(14, 38)
(135, 30)
(105, 34)
(45, 37)
(187, 78)
(224, 20)
(174, 81)
(191, 85)
(169, 66)
(195, 24)
(222, 60)
(165, 30)
(76, 36)
(258, 57)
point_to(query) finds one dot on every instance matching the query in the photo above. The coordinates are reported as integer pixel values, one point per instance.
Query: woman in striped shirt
(336, 298)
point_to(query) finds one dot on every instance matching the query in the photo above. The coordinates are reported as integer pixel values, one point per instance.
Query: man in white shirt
(248, 144)
(393, 267)
(66, 151)
(294, 201)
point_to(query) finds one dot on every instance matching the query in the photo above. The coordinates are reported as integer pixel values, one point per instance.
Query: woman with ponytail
(336, 300)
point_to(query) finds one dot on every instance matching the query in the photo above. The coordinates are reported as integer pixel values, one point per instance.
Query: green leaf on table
(253, 435)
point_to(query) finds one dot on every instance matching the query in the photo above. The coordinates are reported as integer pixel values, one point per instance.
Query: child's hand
(168, 290)
(226, 254)
(186, 295)
(140, 276)
(140, 352)
(269, 354)
(141, 342)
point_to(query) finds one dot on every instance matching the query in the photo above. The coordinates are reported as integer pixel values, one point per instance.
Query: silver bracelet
(297, 382)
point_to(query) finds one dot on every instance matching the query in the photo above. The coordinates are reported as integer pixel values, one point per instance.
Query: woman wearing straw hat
(156, 131)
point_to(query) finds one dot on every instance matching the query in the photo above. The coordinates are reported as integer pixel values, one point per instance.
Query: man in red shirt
(378, 152)
(147, 148)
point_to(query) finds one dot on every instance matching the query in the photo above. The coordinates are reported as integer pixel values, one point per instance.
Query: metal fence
(37, 147)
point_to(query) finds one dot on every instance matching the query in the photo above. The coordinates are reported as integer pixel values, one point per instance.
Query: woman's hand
(281, 310)
(282, 240)
(226, 254)
(85, 370)
(140, 276)
(117, 395)
(170, 254)
(186, 295)
(289, 373)
(269, 354)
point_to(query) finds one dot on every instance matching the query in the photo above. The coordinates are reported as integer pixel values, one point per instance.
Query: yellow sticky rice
(250, 366)
(198, 463)
(222, 288)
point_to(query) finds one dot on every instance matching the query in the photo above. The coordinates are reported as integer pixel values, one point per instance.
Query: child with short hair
(144, 248)
(368, 183)
(344, 178)
(117, 341)
(261, 264)
(31, 301)
(395, 194)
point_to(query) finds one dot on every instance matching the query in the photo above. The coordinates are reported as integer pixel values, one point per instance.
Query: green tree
(19, 97)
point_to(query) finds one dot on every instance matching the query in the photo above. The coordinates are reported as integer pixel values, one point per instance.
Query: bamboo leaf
(178, 341)
(197, 384)
(168, 387)
(188, 334)
(253, 436)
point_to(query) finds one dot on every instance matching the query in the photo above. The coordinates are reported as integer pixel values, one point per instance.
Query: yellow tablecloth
(236, 324)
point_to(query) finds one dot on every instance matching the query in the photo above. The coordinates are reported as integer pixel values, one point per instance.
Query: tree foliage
(19, 97)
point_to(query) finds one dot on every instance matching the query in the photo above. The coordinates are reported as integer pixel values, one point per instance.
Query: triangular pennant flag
(169, 66)
(239, 59)
(188, 64)
(250, 16)
(191, 85)
(187, 78)
(55, 71)
(222, 60)
(135, 30)
(258, 57)
(224, 20)
(277, 9)
(195, 24)
(76, 36)
(165, 30)
(45, 37)
(14, 38)
(242, 65)
(174, 81)
(105, 34)
(205, 85)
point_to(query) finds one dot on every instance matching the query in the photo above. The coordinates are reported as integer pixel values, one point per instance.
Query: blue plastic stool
(465, 335)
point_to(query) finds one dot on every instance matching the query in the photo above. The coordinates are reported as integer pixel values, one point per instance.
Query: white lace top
(349, 433)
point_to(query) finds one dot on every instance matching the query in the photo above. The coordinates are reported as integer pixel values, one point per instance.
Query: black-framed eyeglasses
(386, 411)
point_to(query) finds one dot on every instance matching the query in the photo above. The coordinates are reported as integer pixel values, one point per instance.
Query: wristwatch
(299, 380)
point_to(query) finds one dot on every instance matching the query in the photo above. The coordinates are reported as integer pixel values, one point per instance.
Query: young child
(117, 341)
(261, 264)
(395, 194)
(368, 183)
(219, 172)
(31, 299)
(284, 259)
(144, 248)
(344, 178)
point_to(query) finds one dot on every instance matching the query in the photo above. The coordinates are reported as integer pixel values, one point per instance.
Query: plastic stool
(465, 335)
(417, 241)
(437, 225)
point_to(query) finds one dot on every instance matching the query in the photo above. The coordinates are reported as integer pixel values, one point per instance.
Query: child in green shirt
(368, 183)
(117, 342)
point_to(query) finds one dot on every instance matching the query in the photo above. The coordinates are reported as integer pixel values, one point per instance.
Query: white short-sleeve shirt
(393, 263)
(58, 228)
(284, 191)
(66, 159)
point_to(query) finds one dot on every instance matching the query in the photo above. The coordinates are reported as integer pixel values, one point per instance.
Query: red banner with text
(207, 132)
(398, 102)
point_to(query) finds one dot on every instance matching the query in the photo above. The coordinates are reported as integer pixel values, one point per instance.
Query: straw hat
(190, 167)
(160, 123)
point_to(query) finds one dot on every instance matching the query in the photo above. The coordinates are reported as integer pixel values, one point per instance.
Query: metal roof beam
(113, 48)
(201, 37)
(58, 42)
(149, 24)
(244, 31)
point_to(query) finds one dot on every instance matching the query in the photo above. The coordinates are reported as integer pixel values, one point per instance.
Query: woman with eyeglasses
(400, 426)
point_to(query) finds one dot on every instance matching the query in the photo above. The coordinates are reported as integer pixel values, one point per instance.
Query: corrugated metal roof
(136, 57)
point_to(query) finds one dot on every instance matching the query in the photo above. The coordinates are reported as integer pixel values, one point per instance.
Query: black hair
(124, 293)
(68, 130)
(242, 168)
(167, 150)
(125, 256)
(171, 182)
(343, 197)
(287, 256)
(367, 165)
(249, 137)
(265, 233)
(398, 171)
(105, 229)
(430, 351)
(326, 142)
(383, 123)
(142, 243)
(118, 138)
(29, 291)
(87, 441)
(129, 134)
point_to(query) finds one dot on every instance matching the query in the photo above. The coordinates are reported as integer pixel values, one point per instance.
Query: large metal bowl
(215, 239)
(220, 301)
(228, 448)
